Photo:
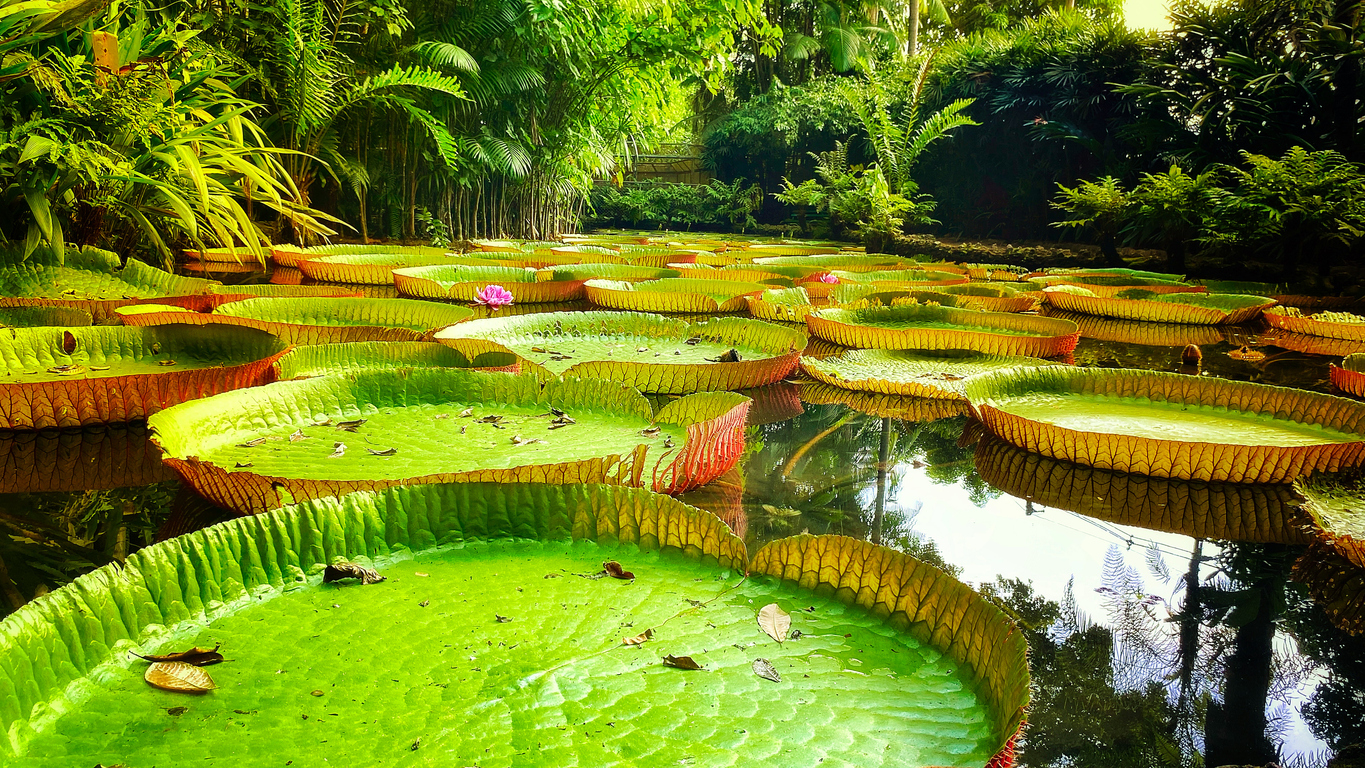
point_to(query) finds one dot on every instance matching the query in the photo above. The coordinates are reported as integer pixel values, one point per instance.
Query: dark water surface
(1164, 627)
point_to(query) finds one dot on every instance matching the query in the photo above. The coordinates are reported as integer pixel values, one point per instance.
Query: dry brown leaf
(639, 639)
(614, 570)
(775, 621)
(339, 571)
(681, 662)
(764, 669)
(199, 657)
(178, 676)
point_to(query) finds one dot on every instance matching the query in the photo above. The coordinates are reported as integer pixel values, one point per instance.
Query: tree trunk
(912, 35)
(1109, 247)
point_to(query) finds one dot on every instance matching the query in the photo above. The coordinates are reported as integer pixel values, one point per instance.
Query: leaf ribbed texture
(922, 601)
(899, 372)
(673, 295)
(463, 283)
(941, 328)
(991, 395)
(1190, 308)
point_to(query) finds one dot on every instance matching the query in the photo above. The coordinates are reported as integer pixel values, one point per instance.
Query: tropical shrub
(716, 206)
(1101, 206)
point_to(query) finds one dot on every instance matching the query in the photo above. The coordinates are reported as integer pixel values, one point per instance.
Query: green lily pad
(463, 283)
(33, 317)
(1230, 511)
(621, 272)
(1170, 425)
(1089, 273)
(1332, 325)
(1109, 285)
(291, 255)
(788, 305)
(442, 424)
(903, 407)
(503, 653)
(93, 280)
(308, 320)
(1190, 308)
(324, 359)
(69, 377)
(673, 295)
(1137, 332)
(845, 262)
(904, 372)
(919, 326)
(652, 353)
(271, 290)
(374, 268)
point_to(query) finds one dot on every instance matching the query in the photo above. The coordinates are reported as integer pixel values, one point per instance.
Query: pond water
(1163, 623)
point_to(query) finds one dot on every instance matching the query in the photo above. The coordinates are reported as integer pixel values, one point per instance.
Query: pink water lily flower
(828, 279)
(493, 296)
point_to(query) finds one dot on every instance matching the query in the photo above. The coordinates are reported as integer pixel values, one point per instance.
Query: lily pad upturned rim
(834, 371)
(784, 345)
(344, 357)
(1138, 332)
(1166, 308)
(865, 327)
(1350, 375)
(377, 319)
(190, 292)
(93, 622)
(455, 282)
(903, 407)
(37, 317)
(374, 268)
(1311, 327)
(290, 255)
(714, 424)
(1256, 512)
(1181, 459)
(82, 401)
(674, 295)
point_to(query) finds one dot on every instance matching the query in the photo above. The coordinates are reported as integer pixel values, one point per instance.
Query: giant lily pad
(740, 273)
(70, 377)
(1350, 375)
(1336, 504)
(318, 321)
(898, 663)
(80, 460)
(1107, 286)
(93, 280)
(1136, 332)
(236, 255)
(788, 305)
(1170, 425)
(290, 256)
(375, 268)
(323, 359)
(1332, 325)
(844, 262)
(904, 372)
(1201, 510)
(34, 317)
(991, 298)
(881, 406)
(918, 326)
(1311, 345)
(906, 279)
(673, 295)
(1191, 308)
(463, 283)
(443, 425)
(623, 272)
(793, 250)
(272, 290)
(649, 352)
(1088, 273)
(1008, 273)
(1337, 585)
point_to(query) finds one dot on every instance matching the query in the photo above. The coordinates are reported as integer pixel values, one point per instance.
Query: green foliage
(1102, 206)
(715, 206)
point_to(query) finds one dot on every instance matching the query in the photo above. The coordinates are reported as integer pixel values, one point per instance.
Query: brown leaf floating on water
(252, 443)
(339, 450)
(502, 619)
(639, 639)
(165, 362)
(649, 431)
(764, 669)
(775, 621)
(199, 657)
(177, 711)
(385, 452)
(350, 426)
(243, 465)
(728, 356)
(681, 662)
(339, 571)
(297, 436)
(614, 570)
(178, 676)
(518, 440)
(99, 367)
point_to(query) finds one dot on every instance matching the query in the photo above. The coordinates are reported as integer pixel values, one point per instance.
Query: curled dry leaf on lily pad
(639, 639)
(764, 669)
(614, 570)
(775, 621)
(199, 657)
(179, 676)
(681, 662)
(343, 570)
